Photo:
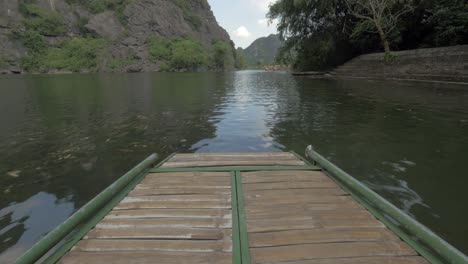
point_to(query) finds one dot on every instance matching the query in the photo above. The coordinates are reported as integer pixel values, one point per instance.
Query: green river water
(64, 138)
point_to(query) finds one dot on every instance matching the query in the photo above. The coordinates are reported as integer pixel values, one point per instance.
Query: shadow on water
(65, 138)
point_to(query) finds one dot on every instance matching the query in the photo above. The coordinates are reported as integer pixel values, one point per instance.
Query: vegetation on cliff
(114, 35)
(187, 54)
(321, 34)
(262, 51)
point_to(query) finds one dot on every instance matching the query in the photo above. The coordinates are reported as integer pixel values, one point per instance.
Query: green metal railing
(85, 213)
(423, 240)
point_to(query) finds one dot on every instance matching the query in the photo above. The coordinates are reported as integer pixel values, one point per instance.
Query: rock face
(126, 28)
(435, 64)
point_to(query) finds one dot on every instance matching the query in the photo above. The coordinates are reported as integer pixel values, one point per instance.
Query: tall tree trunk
(383, 38)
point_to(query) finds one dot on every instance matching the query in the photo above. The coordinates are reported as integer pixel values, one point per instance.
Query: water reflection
(65, 138)
(25, 223)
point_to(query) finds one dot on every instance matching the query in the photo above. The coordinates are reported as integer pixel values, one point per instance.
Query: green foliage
(240, 60)
(220, 55)
(118, 63)
(34, 42)
(99, 6)
(37, 48)
(160, 48)
(320, 34)
(178, 54)
(188, 54)
(75, 55)
(45, 23)
(194, 20)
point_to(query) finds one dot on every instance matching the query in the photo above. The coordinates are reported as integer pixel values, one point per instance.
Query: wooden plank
(171, 213)
(177, 191)
(304, 207)
(230, 154)
(297, 200)
(159, 233)
(179, 198)
(154, 245)
(169, 205)
(330, 250)
(257, 225)
(250, 162)
(178, 179)
(146, 257)
(178, 158)
(309, 236)
(186, 185)
(299, 192)
(218, 174)
(361, 260)
(284, 176)
(315, 215)
(166, 222)
(287, 185)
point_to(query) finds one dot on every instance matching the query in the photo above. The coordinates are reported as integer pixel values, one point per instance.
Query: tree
(311, 30)
(378, 16)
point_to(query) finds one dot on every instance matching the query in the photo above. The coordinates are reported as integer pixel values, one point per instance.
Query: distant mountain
(262, 51)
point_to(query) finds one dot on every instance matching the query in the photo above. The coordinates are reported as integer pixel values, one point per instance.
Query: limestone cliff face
(125, 28)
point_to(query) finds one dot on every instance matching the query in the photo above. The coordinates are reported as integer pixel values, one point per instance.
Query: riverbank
(447, 64)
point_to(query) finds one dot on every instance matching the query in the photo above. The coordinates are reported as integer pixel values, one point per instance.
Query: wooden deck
(226, 211)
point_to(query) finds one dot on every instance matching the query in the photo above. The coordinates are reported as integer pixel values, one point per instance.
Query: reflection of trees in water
(76, 134)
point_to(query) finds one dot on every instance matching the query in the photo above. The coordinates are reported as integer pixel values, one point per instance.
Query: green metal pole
(429, 238)
(87, 211)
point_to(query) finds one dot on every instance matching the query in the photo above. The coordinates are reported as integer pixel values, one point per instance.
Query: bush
(159, 48)
(188, 54)
(118, 63)
(45, 23)
(99, 6)
(36, 46)
(178, 54)
(220, 55)
(75, 55)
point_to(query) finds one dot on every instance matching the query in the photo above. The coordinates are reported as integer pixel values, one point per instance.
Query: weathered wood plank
(146, 257)
(297, 200)
(287, 186)
(166, 222)
(154, 245)
(314, 215)
(179, 198)
(309, 236)
(284, 176)
(299, 192)
(178, 158)
(169, 205)
(304, 207)
(252, 162)
(171, 213)
(330, 250)
(185, 185)
(177, 191)
(159, 233)
(258, 225)
(361, 260)
(185, 179)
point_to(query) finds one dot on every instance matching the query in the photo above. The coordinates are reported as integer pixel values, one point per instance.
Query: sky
(244, 20)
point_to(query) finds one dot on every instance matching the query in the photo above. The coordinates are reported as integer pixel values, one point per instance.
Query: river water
(64, 138)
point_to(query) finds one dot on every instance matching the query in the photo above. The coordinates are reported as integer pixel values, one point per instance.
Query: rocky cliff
(262, 51)
(103, 35)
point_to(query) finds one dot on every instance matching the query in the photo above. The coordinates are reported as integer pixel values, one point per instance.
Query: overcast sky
(244, 20)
